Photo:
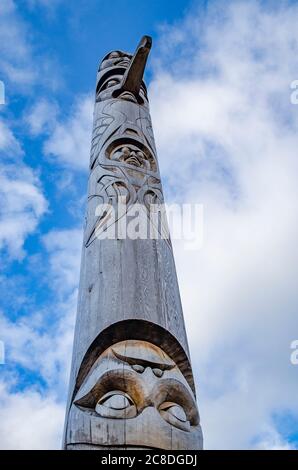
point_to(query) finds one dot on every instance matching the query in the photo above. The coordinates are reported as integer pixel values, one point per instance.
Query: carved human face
(118, 58)
(112, 70)
(137, 384)
(107, 88)
(133, 155)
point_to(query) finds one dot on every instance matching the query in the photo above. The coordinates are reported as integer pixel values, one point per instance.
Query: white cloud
(227, 137)
(41, 343)
(16, 54)
(31, 421)
(22, 203)
(69, 142)
(271, 440)
(8, 142)
(64, 247)
(19, 61)
(41, 118)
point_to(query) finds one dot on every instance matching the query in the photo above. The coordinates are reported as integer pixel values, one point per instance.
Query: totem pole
(131, 383)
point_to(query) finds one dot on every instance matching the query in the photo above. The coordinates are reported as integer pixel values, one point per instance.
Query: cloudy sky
(227, 135)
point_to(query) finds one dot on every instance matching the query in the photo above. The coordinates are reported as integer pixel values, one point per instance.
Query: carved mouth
(133, 161)
(126, 95)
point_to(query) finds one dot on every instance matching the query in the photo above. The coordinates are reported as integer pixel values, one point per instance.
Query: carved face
(108, 87)
(119, 58)
(133, 155)
(112, 70)
(136, 383)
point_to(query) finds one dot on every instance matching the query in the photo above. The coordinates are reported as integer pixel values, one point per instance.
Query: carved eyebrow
(143, 362)
(108, 76)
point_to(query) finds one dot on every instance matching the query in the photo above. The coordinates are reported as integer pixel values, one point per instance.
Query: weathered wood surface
(128, 287)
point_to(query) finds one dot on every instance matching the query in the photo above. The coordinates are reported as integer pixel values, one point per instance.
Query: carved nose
(155, 372)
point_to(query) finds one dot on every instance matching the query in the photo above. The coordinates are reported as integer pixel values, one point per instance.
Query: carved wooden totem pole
(131, 383)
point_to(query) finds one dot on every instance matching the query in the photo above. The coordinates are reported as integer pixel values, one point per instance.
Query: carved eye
(108, 84)
(114, 55)
(116, 404)
(111, 83)
(138, 368)
(174, 414)
(157, 372)
(126, 150)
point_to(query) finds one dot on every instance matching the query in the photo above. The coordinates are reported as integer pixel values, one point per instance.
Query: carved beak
(132, 79)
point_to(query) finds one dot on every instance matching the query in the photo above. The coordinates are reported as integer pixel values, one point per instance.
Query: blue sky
(226, 131)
